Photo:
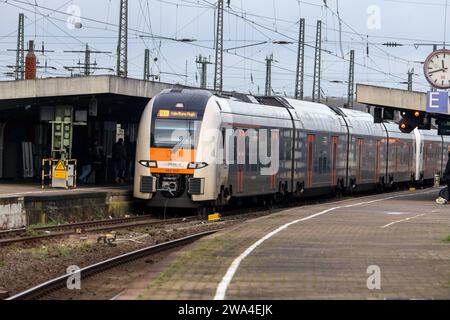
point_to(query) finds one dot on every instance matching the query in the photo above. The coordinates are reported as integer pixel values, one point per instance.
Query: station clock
(437, 69)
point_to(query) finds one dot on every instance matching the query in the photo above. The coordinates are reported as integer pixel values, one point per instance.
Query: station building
(101, 108)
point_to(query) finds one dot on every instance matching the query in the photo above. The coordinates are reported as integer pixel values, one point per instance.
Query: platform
(320, 251)
(23, 204)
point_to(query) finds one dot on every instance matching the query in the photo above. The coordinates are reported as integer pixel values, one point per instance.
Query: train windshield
(176, 133)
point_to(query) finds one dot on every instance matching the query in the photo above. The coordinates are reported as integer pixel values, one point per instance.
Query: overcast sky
(246, 22)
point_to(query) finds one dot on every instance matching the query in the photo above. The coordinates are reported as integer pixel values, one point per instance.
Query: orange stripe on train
(171, 170)
(166, 154)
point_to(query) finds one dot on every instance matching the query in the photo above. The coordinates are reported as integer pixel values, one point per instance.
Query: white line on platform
(226, 280)
(403, 220)
(117, 295)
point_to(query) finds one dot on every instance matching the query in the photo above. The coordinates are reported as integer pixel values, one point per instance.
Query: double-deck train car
(196, 148)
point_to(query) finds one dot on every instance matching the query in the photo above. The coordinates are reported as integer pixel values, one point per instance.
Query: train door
(359, 154)
(410, 157)
(377, 161)
(425, 160)
(334, 147)
(310, 162)
(396, 158)
(240, 178)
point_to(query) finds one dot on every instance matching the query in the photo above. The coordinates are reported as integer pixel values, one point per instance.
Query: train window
(169, 133)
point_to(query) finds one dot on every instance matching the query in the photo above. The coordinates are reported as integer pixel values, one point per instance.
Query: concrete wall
(12, 213)
(17, 212)
(57, 87)
(387, 97)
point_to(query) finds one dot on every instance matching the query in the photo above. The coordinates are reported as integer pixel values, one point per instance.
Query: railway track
(21, 235)
(49, 289)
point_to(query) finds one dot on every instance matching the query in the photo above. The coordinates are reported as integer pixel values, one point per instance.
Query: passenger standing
(87, 167)
(99, 165)
(129, 158)
(119, 158)
(447, 174)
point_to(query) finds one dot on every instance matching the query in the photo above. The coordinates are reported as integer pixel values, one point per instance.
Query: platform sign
(437, 102)
(60, 171)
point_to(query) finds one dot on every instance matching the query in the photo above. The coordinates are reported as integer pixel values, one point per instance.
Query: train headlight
(148, 163)
(197, 165)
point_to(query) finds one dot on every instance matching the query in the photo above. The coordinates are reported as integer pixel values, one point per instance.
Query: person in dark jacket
(447, 173)
(119, 158)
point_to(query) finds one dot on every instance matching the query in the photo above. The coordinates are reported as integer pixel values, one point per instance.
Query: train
(198, 149)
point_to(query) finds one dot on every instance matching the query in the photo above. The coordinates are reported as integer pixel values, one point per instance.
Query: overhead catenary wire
(244, 58)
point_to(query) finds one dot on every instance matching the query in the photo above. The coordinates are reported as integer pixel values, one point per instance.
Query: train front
(170, 169)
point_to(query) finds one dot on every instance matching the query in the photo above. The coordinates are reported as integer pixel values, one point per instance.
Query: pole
(147, 64)
(203, 63)
(20, 55)
(87, 61)
(410, 79)
(218, 74)
(268, 90)
(317, 61)
(351, 79)
(299, 77)
(122, 46)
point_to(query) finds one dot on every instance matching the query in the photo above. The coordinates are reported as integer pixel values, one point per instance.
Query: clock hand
(443, 65)
(438, 70)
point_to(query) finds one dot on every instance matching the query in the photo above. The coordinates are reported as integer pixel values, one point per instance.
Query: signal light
(414, 119)
(405, 127)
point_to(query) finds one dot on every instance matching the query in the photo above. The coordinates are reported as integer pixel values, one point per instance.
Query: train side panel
(401, 155)
(367, 150)
(320, 148)
(248, 122)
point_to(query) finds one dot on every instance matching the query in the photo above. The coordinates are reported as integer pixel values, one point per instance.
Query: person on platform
(444, 195)
(447, 172)
(129, 150)
(119, 159)
(88, 168)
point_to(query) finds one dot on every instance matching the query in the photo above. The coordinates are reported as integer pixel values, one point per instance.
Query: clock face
(437, 69)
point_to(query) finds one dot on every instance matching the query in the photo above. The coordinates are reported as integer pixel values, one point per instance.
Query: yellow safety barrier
(214, 217)
(59, 169)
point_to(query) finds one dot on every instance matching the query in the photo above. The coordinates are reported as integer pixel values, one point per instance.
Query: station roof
(391, 98)
(21, 92)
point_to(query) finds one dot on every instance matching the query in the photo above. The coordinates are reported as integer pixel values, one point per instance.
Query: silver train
(191, 144)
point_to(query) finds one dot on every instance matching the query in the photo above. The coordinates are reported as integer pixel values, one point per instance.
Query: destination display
(175, 114)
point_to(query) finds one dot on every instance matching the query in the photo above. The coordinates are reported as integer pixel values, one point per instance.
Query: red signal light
(417, 114)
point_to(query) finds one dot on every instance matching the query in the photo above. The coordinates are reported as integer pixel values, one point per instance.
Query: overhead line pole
(87, 65)
(351, 80)
(19, 72)
(268, 90)
(218, 74)
(299, 77)
(203, 62)
(317, 62)
(410, 79)
(122, 46)
(147, 64)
